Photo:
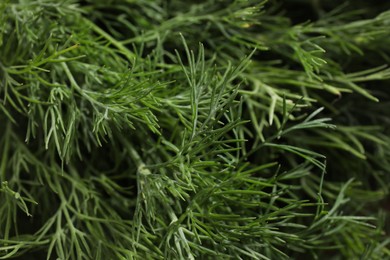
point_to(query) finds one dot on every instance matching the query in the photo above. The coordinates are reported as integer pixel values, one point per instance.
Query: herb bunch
(194, 129)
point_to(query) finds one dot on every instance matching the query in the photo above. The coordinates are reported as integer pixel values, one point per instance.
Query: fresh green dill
(237, 129)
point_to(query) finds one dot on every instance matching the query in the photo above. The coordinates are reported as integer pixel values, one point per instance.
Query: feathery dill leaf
(194, 129)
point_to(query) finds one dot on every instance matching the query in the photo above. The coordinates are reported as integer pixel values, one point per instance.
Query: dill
(194, 129)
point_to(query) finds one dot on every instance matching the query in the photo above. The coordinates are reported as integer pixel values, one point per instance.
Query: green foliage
(194, 129)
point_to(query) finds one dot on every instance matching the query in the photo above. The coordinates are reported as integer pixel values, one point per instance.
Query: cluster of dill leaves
(213, 129)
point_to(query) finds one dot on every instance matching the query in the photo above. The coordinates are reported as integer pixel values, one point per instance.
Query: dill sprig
(194, 129)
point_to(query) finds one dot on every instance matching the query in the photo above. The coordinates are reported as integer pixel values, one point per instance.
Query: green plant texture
(199, 129)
